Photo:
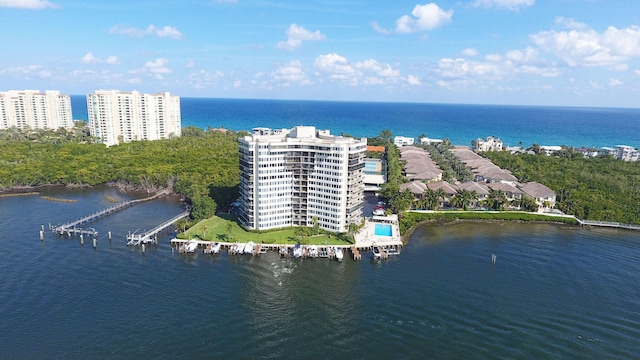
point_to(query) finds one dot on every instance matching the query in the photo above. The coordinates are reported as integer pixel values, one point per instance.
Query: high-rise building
(301, 177)
(35, 110)
(116, 116)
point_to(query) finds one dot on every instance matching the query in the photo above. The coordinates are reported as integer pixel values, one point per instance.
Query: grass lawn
(228, 230)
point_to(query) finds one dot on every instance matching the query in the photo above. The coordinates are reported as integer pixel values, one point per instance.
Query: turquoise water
(554, 292)
(592, 127)
(382, 230)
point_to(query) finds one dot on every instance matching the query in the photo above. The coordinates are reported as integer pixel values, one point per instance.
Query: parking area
(370, 204)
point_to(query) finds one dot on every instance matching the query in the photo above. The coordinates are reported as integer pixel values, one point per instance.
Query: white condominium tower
(301, 177)
(34, 109)
(116, 116)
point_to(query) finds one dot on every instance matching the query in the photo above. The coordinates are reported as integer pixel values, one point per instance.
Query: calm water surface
(554, 292)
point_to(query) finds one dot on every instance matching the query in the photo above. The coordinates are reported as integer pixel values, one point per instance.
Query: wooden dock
(356, 253)
(150, 236)
(73, 227)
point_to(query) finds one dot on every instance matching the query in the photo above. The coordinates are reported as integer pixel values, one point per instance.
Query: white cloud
(337, 67)
(28, 4)
(158, 66)
(590, 48)
(296, 35)
(423, 17)
(470, 52)
(613, 82)
(461, 68)
(190, 64)
(570, 23)
(367, 72)
(203, 79)
(155, 69)
(89, 58)
(413, 80)
(166, 31)
(379, 29)
(513, 5)
(637, 72)
(289, 73)
(496, 66)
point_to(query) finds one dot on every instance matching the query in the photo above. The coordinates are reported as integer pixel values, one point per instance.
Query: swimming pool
(382, 230)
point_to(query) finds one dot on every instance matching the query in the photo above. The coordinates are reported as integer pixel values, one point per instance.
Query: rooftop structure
(116, 116)
(483, 169)
(491, 144)
(301, 177)
(32, 109)
(419, 165)
(401, 141)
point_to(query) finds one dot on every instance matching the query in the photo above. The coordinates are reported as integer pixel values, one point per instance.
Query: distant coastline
(460, 123)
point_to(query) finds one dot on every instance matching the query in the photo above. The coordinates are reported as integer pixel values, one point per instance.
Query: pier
(150, 236)
(73, 229)
(608, 224)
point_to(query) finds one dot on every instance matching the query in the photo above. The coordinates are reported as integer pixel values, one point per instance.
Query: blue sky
(551, 52)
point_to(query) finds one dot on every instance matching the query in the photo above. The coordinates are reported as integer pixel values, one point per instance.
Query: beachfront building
(401, 141)
(116, 116)
(301, 177)
(627, 153)
(32, 109)
(491, 144)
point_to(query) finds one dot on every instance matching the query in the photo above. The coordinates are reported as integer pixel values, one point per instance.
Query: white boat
(392, 250)
(283, 251)
(249, 247)
(215, 249)
(375, 250)
(191, 246)
(339, 253)
(313, 250)
(240, 248)
(297, 251)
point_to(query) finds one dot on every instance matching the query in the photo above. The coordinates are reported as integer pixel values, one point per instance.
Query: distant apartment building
(627, 153)
(490, 144)
(32, 109)
(401, 141)
(301, 177)
(116, 116)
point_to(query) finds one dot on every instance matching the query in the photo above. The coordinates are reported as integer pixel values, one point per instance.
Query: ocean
(554, 292)
(461, 124)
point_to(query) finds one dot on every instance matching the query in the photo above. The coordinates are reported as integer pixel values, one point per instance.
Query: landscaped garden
(227, 229)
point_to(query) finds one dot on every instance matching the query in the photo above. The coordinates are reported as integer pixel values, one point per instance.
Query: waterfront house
(545, 197)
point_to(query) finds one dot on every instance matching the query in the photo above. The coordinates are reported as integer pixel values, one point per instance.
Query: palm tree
(496, 199)
(463, 198)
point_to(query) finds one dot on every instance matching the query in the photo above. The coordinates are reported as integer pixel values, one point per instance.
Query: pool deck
(367, 237)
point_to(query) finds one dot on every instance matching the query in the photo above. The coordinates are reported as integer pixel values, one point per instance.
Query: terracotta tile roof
(375, 148)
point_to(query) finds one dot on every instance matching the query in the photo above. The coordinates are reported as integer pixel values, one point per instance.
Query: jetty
(608, 224)
(73, 227)
(146, 237)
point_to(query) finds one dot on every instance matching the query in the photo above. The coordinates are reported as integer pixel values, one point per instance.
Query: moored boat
(375, 250)
(339, 253)
(313, 251)
(191, 246)
(249, 248)
(297, 251)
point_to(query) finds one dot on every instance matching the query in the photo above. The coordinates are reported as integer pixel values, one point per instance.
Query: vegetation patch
(409, 220)
(228, 230)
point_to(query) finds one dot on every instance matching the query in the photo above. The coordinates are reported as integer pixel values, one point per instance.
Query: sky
(514, 52)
